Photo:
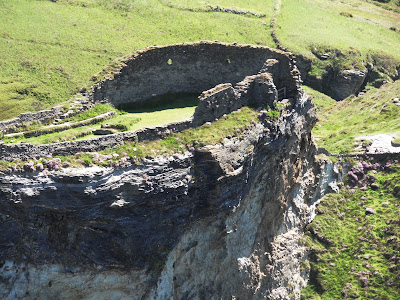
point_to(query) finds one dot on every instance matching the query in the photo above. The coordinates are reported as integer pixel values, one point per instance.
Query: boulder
(346, 83)
(375, 186)
(104, 131)
(369, 211)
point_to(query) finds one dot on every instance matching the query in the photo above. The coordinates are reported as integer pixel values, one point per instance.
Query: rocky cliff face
(223, 222)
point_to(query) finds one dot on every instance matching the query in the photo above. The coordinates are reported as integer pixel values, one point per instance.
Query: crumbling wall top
(193, 68)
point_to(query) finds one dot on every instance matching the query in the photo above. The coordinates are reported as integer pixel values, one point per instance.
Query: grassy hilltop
(51, 50)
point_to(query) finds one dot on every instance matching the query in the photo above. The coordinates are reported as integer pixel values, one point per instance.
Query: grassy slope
(146, 119)
(350, 248)
(355, 33)
(391, 5)
(163, 110)
(131, 152)
(255, 6)
(304, 24)
(48, 51)
(340, 122)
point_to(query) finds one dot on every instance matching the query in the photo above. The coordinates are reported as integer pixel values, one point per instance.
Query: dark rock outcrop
(346, 83)
(226, 213)
(339, 84)
(222, 222)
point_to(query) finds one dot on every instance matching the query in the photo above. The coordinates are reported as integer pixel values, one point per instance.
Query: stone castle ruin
(193, 68)
(228, 76)
(223, 221)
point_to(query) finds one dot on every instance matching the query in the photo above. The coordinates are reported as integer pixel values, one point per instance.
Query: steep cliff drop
(221, 222)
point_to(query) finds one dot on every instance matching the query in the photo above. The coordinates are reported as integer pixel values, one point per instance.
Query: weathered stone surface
(222, 222)
(104, 131)
(27, 118)
(192, 67)
(258, 71)
(347, 83)
(369, 211)
(338, 85)
(257, 91)
(375, 186)
(55, 113)
(26, 151)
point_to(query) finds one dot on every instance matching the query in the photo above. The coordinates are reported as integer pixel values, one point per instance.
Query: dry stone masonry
(193, 68)
(221, 222)
(228, 75)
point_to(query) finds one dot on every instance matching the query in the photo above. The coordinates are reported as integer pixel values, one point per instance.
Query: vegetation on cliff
(354, 239)
(58, 46)
(345, 125)
(50, 50)
(133, 152)
(156, 112)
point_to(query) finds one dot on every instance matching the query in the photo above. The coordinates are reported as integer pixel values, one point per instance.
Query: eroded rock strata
(221, 222)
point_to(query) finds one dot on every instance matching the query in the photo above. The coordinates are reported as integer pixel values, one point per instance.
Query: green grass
(97, 110)
(158, 111)
(396, 139)
(206, 134)
(259, 7)
(189, 139)
(321, 100)
(339, 123)
(392, 5)
(56, 48)
(355, 33)
(48, 51)
(304, 24)
(347, 245)
(134, 121)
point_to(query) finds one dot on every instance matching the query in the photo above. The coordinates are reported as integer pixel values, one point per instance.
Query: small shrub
(87, 161)
(273, 114)
(346, 14)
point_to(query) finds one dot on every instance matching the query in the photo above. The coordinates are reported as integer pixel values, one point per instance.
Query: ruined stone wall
(25, 118)
(256, 90)
(256, 71)
(26, 151)
(221, 222)
(193, 67)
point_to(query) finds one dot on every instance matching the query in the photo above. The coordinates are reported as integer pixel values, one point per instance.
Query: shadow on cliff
(162, 102)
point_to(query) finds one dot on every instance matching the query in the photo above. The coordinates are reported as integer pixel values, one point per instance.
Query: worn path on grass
(381, 143)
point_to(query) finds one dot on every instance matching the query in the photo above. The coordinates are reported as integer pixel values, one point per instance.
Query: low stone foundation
(26, 118)
(244, 74)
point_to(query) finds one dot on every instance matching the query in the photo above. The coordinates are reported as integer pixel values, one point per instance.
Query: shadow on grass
(163, 102)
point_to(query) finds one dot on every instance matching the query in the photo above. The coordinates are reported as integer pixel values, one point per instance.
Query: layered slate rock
(222, 222)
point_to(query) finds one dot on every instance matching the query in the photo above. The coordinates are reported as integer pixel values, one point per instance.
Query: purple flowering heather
(358, 168)
(39, 166)
(352, 176)
(29, 166)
